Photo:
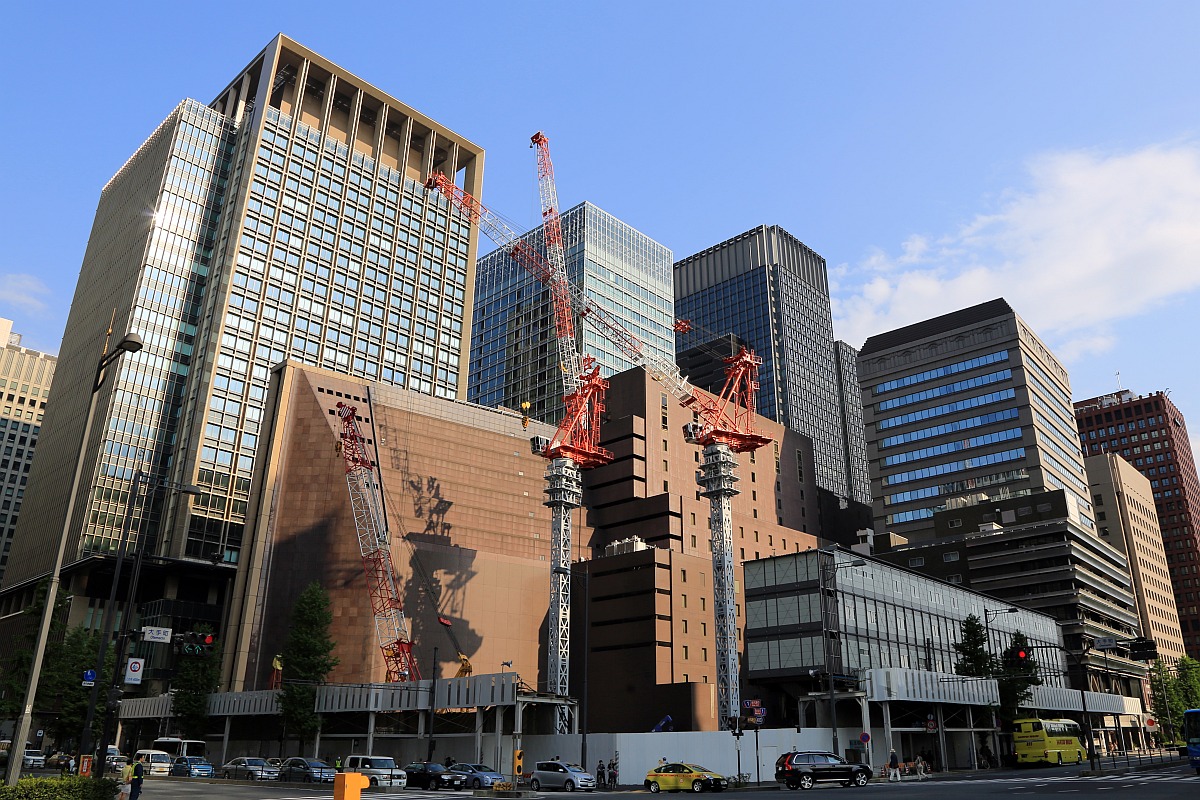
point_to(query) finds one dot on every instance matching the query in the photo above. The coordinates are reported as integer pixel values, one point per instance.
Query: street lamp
(505, 665)
(583, 691)
(990, 614)
(828, 608)
(106, 626)
(131, 343)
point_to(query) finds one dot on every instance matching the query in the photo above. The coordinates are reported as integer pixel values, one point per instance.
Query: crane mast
(725, 426)
(391, 627)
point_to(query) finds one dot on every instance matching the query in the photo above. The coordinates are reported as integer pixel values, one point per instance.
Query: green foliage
(14, 665)
(1016, 685)
(1174, 691)
(307, 660)
(72, 787)
(974, 660)
(60, 690)
(195, 678)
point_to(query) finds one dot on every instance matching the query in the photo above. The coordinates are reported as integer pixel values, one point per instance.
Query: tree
(196, 676)
(1016, 676)
(974, 659)
(60, 688)
(14, 666)
(307, 660)
(1165, 701)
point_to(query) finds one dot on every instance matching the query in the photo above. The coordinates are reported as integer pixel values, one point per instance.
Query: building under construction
(464, 495)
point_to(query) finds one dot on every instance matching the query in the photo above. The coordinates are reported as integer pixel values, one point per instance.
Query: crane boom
(391, 627)
(728, 419)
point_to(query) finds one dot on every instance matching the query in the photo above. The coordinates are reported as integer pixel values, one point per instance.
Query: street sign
(864, 737)
(133, 670)
(1105, 643)
(152, 634)
(87, 684)
(89, 675)
(751, 703)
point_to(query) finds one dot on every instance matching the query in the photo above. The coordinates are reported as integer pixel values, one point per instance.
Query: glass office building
(877, 615)
(514, 354)
(963, 408)
(768, 288)
(286, 219)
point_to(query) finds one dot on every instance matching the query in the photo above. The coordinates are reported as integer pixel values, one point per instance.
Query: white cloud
(22, 291)
(1092, 239)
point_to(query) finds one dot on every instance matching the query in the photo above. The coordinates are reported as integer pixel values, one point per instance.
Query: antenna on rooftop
(1119, 386)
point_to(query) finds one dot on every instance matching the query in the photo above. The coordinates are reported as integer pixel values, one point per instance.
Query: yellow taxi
(684, 777)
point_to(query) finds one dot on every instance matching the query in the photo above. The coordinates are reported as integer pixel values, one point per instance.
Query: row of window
(947, 408)
(953, 447)
(951, 427)
(940, 372)
(955, 466)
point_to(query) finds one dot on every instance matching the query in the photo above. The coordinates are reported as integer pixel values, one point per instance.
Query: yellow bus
(1048, 741)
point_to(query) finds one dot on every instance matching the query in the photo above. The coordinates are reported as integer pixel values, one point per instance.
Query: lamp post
(583, 690)
(131, 343)
(828, 609)
(131, 508)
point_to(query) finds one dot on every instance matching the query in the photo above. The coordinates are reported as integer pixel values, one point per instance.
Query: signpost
(89, 678)
(1105, 643)
(152, 634)
(133, 670)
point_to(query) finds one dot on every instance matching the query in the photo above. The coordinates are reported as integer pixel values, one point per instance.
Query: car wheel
(1078, 758)
(374, 782)
(1060, 759)
(477, 784)
(533, 784)
(792, 784)
(697, 786)
(653, 787)
(569, 786)
(806, 781)
(226, 774)
(860, 779)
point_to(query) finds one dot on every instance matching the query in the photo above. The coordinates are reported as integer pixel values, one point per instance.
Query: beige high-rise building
(25, 377)
(1126, 519)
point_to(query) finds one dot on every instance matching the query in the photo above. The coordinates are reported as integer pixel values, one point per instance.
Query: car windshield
(480, 767)
(312, 762)
(699, 768)
(255, 762)
(378, 762)
(575, 768)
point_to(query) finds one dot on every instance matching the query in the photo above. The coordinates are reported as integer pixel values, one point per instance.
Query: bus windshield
(179, 747)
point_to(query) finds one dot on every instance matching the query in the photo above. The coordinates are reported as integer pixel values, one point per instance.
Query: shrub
(68, 788)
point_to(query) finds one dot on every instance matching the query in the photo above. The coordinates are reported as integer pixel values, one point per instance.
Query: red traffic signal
(1021, 655)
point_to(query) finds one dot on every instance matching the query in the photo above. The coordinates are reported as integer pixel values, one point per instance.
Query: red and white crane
(725, 426)
(391, 627)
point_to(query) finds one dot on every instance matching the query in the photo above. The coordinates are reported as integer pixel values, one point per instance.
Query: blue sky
(937, 154)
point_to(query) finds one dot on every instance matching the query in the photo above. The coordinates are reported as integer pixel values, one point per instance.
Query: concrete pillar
(941, 723)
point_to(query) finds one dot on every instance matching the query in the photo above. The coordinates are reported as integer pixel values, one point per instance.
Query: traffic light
(194, 643)
(1016, 661)
(518, 763)
(113, 701)
(1142, 649)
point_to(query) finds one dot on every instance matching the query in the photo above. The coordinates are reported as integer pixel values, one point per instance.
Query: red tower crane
(391, 627)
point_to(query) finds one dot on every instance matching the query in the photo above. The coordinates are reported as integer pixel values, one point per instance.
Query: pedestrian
(337, 763)
(71, 766)
(893, 767)
(612, 774)
(920, 765)
(662, 762)
(135, 778)
(601, 778)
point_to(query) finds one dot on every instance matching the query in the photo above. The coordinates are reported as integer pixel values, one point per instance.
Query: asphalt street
(1171, 783)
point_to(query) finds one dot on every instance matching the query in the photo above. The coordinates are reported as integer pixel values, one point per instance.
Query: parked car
(155, 762)
(114, 764)
(192, 767)
(34, 759)
(479, 776)
(557, 775)
(380, 770)
(805, 769)
(686, 778)
(427, 775)
(308, 770)
(275, 762)
(58, 761)
(251, 769)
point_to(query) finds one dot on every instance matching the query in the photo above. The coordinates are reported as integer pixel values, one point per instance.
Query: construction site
(596, 560)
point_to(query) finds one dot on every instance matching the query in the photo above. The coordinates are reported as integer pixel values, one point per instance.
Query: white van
(155, 762)
(380, 770)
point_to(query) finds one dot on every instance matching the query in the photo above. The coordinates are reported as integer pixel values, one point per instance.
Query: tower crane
(391, 627)
(725, 423)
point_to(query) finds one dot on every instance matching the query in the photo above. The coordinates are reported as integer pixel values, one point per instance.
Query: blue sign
(89, 674)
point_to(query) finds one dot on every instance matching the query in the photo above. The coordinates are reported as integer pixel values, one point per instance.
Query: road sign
(1105, 643)
(751, 703)
(864, 737)
(133, 670)
(87, 684)
(152, 634)
(89, 675)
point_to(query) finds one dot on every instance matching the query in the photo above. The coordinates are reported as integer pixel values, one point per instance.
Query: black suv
(805, 769)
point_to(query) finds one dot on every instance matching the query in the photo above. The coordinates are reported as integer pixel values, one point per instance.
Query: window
(954, 523)
(950, 556)
(955, 578)
(916, 562)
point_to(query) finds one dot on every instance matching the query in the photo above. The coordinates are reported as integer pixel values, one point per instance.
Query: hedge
(68, 788)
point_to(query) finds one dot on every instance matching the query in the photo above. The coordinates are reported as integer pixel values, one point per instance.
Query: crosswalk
(1172, 776)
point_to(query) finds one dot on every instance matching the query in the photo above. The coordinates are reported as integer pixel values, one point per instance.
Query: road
(1173, 783)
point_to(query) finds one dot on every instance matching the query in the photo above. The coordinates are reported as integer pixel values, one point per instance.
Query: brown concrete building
(1126, 519)
(462, 482)
(1150, 432)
